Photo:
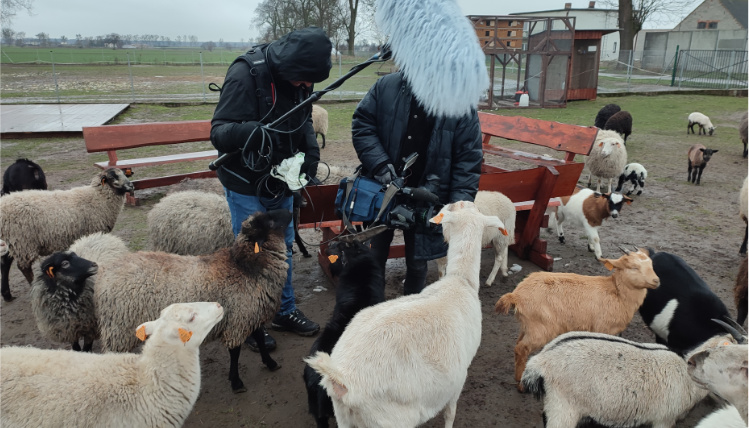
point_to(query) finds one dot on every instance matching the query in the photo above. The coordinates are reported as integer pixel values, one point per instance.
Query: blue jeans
(242, 206)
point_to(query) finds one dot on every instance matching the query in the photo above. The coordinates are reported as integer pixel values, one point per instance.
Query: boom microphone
(421, 195)
(438, 52)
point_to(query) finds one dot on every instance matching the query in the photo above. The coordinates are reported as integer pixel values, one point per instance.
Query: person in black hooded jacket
(388, 125)
(261, 86)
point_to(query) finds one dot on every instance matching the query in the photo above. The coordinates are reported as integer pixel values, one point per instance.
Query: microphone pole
(382, 56)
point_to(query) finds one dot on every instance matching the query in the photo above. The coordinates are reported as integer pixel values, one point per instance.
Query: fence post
(733, 64)
(629, 70)
(681, 72)
(130, 70)
(676, 62)
(202, 77)
(54, 75)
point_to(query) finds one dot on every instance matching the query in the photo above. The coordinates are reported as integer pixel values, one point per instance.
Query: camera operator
(260, 87)
(388, 125)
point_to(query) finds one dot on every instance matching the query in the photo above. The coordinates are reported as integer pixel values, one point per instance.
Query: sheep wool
(190, 223)
(607, 158)
(320, 122)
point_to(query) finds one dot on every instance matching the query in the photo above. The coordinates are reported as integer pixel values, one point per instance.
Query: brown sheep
(698, 156)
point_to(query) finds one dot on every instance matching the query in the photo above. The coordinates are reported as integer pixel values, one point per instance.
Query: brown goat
(697, 157)
(740, 292)
(549, 304)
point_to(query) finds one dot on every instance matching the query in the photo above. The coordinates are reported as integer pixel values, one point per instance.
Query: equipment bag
(363, 199)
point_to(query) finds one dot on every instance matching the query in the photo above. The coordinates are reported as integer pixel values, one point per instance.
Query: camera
(413, 209)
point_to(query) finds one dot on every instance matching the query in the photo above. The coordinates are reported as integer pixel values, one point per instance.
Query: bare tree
(10, 9)
(64, 40)
(43, 39)
(20, 37)
(8, 36)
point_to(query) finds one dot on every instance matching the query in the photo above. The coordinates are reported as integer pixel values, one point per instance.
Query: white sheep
(246, 278)
(725, 417)
(402, 361)
(587, 209)
(320, 122)
(548, 304)
(636, 174)
(156, 388)
(607, 158)
(722, 371)
(614, 381)
(705, 126)
(39, 222)
(497, 204)
(190, 223)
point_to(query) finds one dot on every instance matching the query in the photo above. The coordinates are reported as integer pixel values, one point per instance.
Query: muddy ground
(700, 224)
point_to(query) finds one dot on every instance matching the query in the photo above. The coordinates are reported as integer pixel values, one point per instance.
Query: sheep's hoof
(237, 386)
(274, 367)
(307, 255)
(8, 297)
(639, 193)
(239, 390)
(561, 239)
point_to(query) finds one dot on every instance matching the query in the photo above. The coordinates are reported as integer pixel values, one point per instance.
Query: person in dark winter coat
(388, 125)
(261, 86)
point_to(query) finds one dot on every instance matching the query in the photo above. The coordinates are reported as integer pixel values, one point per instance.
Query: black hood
(302, 55)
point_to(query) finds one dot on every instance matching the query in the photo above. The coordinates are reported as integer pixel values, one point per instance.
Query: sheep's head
(710, 130)
(721, 369)
(636, 267)
(65, 267)
(455, 216)
(115, 179)
(707, 153)
(266, 229)
(182, 324)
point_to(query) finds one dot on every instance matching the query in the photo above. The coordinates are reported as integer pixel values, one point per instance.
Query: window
(701, 25)
(487, 33)
(509, 34)
(712, 25)
(487, 23)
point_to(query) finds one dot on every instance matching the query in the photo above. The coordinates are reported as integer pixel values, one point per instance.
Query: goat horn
(738, 334)
(624, 250)
(365, 235)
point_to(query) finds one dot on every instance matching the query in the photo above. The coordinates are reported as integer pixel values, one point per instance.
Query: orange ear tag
(438, 218)
(504, 231)
(333, 258)
(51, 272)
(103, 181)
(600, 144)
(727, 343)
(184, 335)
(608, 265)
(257, 248)
(140, 333)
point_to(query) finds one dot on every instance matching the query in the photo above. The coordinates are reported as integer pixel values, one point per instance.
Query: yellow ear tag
(140, 333)
(257, 248)
(184, 335)
(333, 258)
(51, 272)
(608, 265)
(504, 231)
(103, 181)
(438, 218)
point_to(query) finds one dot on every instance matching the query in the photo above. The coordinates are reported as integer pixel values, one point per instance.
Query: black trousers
(416, 270)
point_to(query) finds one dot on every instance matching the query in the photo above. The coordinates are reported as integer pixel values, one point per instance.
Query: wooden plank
(522, 156)
(522, 184)
(130, 136)
(148, 183)
(555, 135)
(160, 160)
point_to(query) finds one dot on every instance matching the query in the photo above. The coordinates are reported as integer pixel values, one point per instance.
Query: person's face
(298, 83)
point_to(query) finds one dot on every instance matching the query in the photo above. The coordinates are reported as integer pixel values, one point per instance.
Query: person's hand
(250, 134)
(386, 174)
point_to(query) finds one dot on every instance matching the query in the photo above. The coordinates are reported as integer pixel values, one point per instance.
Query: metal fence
(711, 69)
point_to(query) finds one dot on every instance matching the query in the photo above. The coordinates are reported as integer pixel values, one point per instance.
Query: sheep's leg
(7, 260)
(450, 409)
(699, 173)
(27, 273)
(560, 414)
(742, 250)
(264, 355)
(689, 170)
(237, 385)
(88, 344)
(745, 151)
(76, 346)
(610, 179)
(497, 263)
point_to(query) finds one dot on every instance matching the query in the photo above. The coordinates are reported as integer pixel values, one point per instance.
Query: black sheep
(361, 283)
(621, 123)
(23, 175)
(605, 113)
(680, 310)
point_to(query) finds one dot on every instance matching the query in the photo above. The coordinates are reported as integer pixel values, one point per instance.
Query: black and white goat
(23, 175)
(634, 173)
(680, 310)
(361, 283)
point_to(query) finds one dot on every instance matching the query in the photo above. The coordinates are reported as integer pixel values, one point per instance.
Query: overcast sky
(230, 20)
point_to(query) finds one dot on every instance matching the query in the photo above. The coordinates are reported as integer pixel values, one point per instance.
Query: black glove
(249, 134)
(386, 174)
(309, 167)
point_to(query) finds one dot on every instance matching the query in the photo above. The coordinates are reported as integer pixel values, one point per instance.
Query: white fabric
(289, 172)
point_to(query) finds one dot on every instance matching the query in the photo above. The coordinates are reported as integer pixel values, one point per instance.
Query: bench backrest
(129, 136)
(572, 139)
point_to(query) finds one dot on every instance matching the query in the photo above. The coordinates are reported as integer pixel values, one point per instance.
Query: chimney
(592, 5)
(568, 5)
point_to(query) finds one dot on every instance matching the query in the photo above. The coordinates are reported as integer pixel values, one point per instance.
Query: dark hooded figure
(261, 86)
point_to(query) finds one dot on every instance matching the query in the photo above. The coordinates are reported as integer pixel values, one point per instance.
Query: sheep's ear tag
(727, 343)
(438, 218)
(51, 272)
(103, 181)
(600, 144)
(257, 248)
(140, 333)
(184, 335)
(608, 265)
(504, 231)
(333, 258)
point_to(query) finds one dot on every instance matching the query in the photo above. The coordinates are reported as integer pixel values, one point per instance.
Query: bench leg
(131, 199)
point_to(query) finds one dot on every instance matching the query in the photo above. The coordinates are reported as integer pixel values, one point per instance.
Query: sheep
(740, 292)
(62, 291)
(36, 223)
(621, 122)
(614, 381)
(743, 132)
(636, 174)
(24, 174)
(190, 223)
(360, 284)
(722, 371)
(607, 158)
(588, 209)
(604, 114)
(743, 207)
(246, 278)
(493, 203)
(548, 304)
(725, 417)
(697, 158)
(320, 122)
(705, 126)
(680, 310)
(156, 388)
(401, 362)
